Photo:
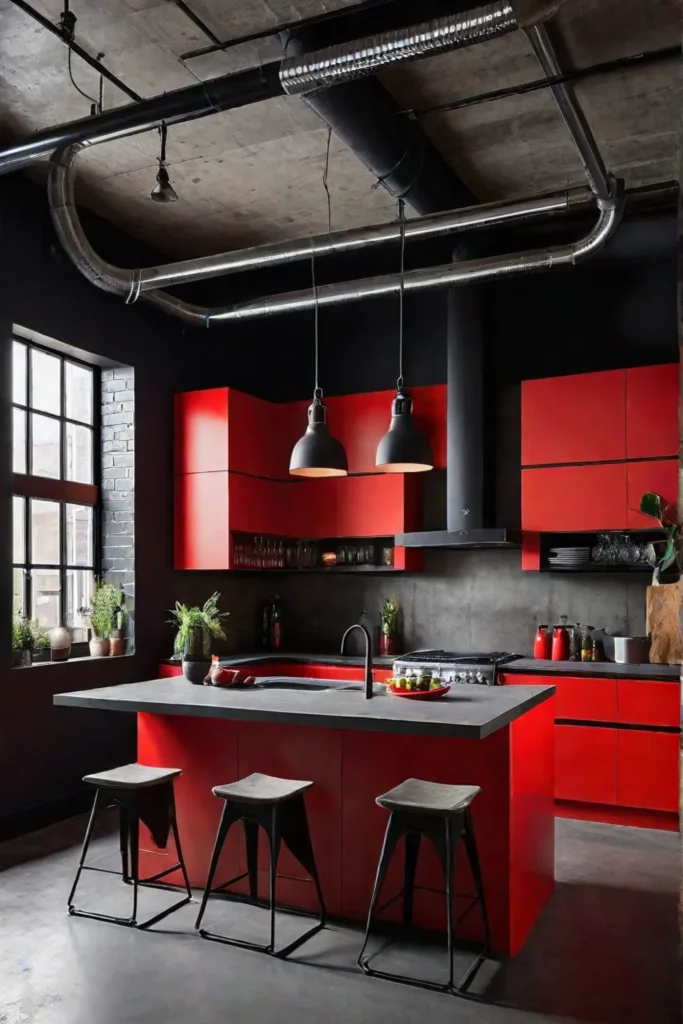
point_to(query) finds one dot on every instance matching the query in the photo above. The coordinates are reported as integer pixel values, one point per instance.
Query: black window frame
(62, 492)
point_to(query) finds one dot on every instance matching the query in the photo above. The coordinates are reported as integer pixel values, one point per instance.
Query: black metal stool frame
(283, 822)
(444, 832)
(129, 841)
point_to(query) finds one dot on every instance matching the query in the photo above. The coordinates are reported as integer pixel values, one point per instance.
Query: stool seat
(419, 797)
(261, 789)
(133, 776)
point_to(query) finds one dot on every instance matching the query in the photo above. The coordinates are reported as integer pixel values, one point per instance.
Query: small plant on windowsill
(106, 613)
(195, 629)
(27, 636)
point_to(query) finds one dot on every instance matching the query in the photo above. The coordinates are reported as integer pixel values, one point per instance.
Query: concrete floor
(605, 950)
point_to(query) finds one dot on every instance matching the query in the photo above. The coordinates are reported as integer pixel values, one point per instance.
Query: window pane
(45, 442)
(78, 534)
(45, 382)
(45, 597)
(19, 592)
(45, 532)
(78, 453)
(78, 383)
(18, 524)
(19, 373)
(79, 588)
(18, 441)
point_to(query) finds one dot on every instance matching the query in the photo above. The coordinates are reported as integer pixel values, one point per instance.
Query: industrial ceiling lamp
(163, 191)
(404, 448)
(317, 453)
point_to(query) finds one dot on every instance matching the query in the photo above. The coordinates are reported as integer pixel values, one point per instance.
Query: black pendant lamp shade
(317, 453)
(404, 448)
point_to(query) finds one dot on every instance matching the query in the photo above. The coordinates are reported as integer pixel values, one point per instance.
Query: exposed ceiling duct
(341, 63)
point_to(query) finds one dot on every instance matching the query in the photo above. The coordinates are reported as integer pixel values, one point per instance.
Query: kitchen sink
(307, 685)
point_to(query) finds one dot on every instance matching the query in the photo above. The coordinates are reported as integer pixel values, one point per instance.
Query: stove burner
(466, 668)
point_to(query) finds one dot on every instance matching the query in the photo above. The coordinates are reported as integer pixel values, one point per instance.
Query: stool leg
(274, 857)
(473, 855)
(134, 832)
(251, 842)
(412, 853)
(391, 837)
(296, 835)
(179, 849)
(84, 849)
(226, 822)
(124, 841)
(450, 895)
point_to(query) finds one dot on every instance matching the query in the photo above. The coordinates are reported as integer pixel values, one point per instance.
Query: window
(55, 497)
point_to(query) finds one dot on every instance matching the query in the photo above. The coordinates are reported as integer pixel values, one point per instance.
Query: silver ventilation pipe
(467, 272)
(133, 283)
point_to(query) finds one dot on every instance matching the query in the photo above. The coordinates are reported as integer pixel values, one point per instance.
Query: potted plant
(27, 636)
(663, 622)
(390, 627)
(105, 604)
(195, 629)
(117, 641)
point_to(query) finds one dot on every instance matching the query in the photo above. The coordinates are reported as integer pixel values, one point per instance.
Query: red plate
(420, 694)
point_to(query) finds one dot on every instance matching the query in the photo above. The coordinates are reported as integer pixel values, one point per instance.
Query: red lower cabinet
(644, 702)
(648, 770)
(586, 764)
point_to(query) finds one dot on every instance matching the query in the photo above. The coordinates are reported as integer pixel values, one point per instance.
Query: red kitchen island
(499, 738)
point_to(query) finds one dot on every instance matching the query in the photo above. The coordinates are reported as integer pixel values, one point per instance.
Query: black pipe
(225, 93)
(201, 25)
(75, 48)
(665, 53)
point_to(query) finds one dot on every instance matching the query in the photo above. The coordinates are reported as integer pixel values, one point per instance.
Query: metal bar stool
(122, 787)
(278, 806)
(441, 814)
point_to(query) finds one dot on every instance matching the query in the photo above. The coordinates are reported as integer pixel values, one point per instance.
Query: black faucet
(368, 656)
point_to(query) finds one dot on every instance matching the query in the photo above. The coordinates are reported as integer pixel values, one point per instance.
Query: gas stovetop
(455, 667)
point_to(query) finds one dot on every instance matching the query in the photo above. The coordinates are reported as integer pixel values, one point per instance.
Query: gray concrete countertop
(467, 712)
(604, 669)
(272, 657)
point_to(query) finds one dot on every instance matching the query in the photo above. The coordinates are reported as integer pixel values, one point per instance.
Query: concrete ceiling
(254, 174)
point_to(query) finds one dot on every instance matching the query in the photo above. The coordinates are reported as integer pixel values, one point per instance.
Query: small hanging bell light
(317, 453)
(404, 448)
(163, 191)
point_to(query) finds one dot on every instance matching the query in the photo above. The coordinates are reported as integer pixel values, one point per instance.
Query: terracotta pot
(99, 648)
(663, 623)
(117, 646)
(388, 645)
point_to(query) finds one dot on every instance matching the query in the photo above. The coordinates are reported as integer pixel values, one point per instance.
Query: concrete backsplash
(464, 601)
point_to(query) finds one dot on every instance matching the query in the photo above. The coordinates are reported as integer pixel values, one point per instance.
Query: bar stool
(128, 788)
(278, 806)
(440, 813)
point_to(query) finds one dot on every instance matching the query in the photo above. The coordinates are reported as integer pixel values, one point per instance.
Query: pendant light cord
(401, 291)
(162, 132)
(317, 390)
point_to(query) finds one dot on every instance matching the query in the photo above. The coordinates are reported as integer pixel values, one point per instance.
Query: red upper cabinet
(201, 431)
(580, 418)
(652, 411)
(566, 498)
(376, 506)
(202, 536)
(658, 475)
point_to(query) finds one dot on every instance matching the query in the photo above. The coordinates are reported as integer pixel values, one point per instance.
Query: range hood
(470, 467)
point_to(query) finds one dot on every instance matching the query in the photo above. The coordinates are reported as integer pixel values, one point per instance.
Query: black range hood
(470, 469)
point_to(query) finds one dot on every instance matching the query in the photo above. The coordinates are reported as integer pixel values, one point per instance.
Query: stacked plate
(569, 557)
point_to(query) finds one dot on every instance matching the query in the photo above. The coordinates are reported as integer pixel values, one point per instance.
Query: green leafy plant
(28, 635)
(653, 505)
(196, 626)
(106, 610)
(389, 616)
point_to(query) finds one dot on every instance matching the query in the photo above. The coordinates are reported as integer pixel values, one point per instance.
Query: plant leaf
(651, 504)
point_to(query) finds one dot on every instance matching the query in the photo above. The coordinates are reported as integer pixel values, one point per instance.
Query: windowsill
(72, 661)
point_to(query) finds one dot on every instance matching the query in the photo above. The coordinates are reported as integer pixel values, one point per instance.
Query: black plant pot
(195, 669)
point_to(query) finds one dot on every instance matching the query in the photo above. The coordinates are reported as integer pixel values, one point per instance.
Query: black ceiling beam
(56, 30)
(201, 25)
(318, 19)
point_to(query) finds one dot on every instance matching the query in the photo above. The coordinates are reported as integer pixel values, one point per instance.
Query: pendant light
(404, 448)
(317, 453)
(163, 191)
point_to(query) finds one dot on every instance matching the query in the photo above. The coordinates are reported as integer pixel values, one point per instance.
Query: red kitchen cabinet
(586, 764)
(649, 702)
(169, 671)
(311, 508)
(201, 431)
(376, 506)
(652, 411)
(254, 504)
(658, 475)
(202, 535)
(589, 700)
(648, 770)
(566, 498)
(579, 418)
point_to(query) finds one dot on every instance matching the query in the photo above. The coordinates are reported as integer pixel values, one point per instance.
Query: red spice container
(560, 647)
(542, 643)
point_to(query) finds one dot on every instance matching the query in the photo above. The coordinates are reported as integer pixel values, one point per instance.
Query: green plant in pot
(390, 627)
(27, 636)
(104, 613)
(196, 627)
(663, 622)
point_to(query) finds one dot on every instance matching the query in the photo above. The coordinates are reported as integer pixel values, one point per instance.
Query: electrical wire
(325, 185)
(77, 87)
(317, 390)
(401, 291)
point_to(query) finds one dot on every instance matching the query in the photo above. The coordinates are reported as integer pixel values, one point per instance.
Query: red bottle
(542, 643)
(560, 648)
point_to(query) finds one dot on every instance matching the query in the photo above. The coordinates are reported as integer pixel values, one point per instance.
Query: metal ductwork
(349, 61)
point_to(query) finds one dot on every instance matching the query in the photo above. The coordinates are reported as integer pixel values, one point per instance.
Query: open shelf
(590, 539)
